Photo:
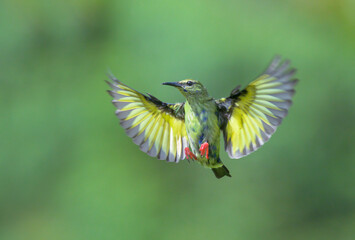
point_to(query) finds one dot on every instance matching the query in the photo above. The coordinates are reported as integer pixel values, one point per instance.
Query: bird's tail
(221, 172)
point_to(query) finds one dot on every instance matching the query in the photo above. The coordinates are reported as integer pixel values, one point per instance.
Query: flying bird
(192, 129)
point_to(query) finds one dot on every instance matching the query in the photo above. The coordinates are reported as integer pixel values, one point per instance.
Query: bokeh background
(67, 170)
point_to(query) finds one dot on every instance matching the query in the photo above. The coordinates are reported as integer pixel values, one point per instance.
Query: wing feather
(251, 116)
(157, 127)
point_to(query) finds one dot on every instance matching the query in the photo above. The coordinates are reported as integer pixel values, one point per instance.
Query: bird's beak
(174, 84)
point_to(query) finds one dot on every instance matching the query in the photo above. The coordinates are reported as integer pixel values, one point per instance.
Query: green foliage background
(67, 170)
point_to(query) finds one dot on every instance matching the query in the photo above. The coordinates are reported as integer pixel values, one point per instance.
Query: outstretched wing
(157, 127)
(250, 116)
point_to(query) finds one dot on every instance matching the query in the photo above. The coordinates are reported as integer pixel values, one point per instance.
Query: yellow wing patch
(259, 109)
(152, 124)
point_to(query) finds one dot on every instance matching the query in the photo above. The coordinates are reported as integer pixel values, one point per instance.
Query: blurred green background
(68, 171)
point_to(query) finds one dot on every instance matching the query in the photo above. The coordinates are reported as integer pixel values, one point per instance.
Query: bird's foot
(204, 149)
(189, 154)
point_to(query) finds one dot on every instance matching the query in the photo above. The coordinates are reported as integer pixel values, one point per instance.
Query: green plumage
(202, 124)
(193, 129)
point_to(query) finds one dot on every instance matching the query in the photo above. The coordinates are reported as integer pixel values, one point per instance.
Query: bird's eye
(189, 83)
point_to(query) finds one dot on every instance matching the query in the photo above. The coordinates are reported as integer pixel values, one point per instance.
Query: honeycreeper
(191, 130)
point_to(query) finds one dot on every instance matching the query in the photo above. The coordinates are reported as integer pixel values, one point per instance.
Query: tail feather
(221, 172)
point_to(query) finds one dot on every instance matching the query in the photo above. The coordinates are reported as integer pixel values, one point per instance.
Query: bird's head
(189, 88)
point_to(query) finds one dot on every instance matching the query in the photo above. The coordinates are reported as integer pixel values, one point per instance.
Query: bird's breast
(201, 124)
(201, 127)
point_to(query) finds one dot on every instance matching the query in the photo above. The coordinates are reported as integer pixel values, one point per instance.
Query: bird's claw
(189, 154)
(204, 149)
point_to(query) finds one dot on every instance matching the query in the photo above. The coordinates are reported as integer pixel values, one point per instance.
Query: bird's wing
(157, 127)
(249, 117)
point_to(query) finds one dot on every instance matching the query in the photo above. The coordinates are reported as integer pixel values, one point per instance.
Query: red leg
(204, 149)
(189, 154)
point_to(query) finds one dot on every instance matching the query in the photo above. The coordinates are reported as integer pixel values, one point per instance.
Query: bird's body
(201, 122)
(192, 129)
(203, 126)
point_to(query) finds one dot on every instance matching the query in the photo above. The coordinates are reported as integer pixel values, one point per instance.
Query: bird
(192, 129)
